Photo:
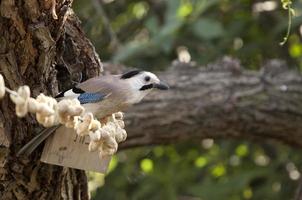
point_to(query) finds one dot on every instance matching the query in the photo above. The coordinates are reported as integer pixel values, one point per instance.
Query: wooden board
(66, 148)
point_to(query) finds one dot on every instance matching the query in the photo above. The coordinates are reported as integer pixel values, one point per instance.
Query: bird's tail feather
(36, 141)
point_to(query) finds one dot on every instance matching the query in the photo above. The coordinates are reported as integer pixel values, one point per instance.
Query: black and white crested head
(142, 83)
(130, 74)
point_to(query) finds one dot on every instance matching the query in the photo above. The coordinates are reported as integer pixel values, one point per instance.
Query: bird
(103, 96)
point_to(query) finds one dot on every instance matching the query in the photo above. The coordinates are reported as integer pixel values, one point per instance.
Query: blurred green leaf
(158, 151)
(242, 150)
(218, 170)
(185, 9)
(208, 29)
(201, 162)
(227, 187)
(295, 50)
(147, 165)
(113, 163)
(140, 9)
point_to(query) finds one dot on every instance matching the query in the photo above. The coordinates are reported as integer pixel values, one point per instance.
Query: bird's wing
(82, 96)
(103, 84)
(92, 90)
(91, 97)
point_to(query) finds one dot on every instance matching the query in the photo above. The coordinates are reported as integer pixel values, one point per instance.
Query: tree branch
(220, 101)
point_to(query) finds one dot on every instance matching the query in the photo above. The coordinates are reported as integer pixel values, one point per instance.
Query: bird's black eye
(147, 78)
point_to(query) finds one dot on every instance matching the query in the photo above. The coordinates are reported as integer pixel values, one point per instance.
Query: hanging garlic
(69, 111)
(2, 87)
(21, 100)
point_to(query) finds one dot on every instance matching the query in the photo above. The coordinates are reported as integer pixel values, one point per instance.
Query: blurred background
(151, 34)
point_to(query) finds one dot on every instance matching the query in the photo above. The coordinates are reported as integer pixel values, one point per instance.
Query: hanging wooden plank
(66, 148)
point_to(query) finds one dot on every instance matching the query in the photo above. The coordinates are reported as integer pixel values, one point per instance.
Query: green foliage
(149, 33)
(146, 165)
(208, 29)
(227, 170)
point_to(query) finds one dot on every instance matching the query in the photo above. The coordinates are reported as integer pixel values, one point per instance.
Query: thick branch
(220, 100)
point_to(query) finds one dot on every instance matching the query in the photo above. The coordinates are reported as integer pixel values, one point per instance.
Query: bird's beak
(161, 86)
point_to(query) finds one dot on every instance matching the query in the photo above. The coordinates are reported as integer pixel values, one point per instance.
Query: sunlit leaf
(295, 50)
(146, 165)
(140, 9)
(218, 170)
(200, 162)
(242, 150)
(185, 9)
(113, 163)
(247, 193)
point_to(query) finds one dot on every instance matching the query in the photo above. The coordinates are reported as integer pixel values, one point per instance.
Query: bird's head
(143, 82)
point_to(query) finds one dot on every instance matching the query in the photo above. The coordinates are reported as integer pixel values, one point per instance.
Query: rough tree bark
(220, 100)
(45, 53)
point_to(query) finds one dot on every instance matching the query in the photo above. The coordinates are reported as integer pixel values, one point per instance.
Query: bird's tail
(36, 141)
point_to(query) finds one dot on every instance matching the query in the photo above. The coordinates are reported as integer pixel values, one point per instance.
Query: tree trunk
(45, 53)
(220, 101)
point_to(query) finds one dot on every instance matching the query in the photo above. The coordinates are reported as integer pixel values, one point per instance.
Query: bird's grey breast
(117, 91)
(106, 107)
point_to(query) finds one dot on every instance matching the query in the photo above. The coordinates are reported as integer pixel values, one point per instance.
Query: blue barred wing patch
(91, 97)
